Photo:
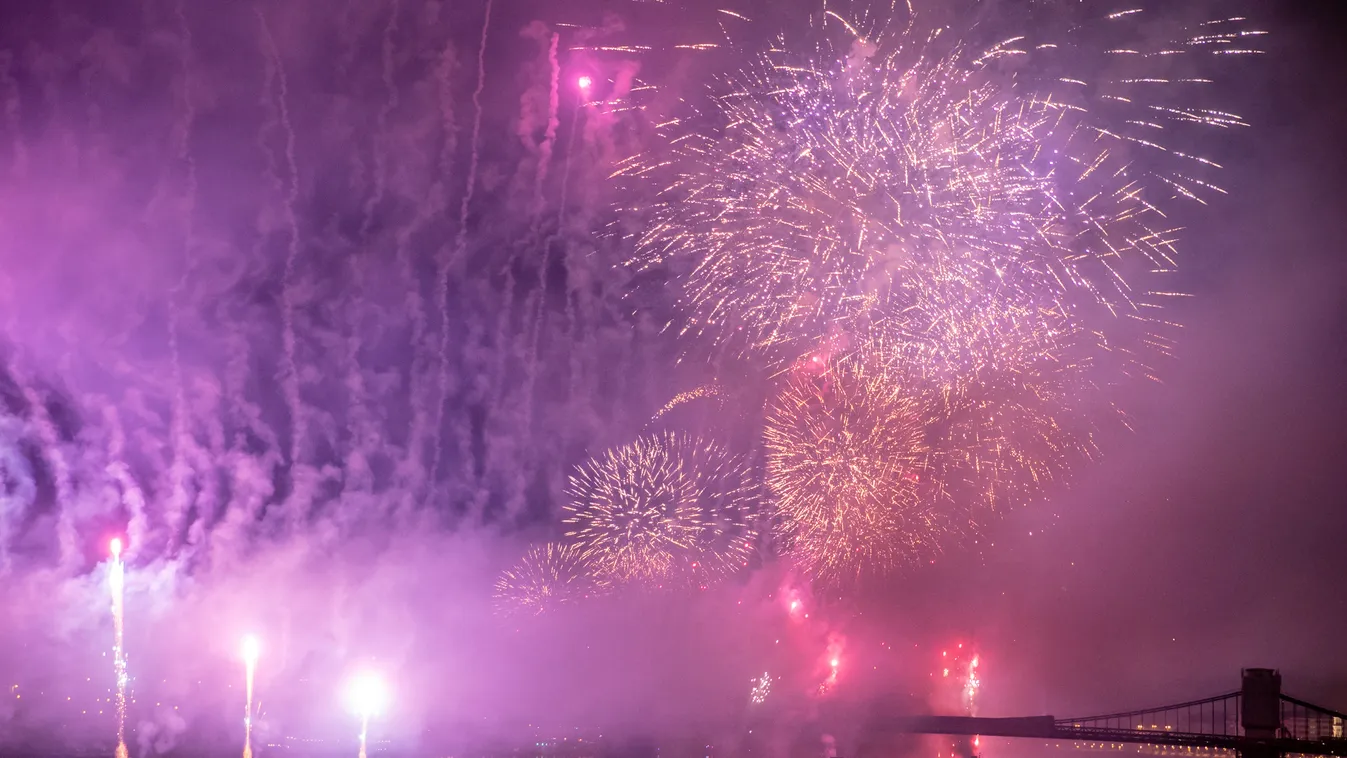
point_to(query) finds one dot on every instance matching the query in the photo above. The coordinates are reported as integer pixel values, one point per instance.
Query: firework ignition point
(367, 695)
(252, 647)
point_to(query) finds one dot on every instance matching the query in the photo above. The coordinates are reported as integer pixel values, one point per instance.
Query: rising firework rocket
(366, 694)
(251, 648)
(117, 585)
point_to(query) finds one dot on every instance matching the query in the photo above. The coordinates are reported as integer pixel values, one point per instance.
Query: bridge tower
(1261, 703)
(1260, 710)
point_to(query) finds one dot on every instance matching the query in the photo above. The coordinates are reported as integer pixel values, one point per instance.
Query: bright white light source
(252, 647)
(585, 82)
(367, 695)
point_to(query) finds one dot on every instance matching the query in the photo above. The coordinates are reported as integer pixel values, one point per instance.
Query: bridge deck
(1048, 728)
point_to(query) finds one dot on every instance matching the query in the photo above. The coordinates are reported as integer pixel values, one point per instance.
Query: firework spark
(117, 586)
(956, 691)
(997, 437)
(547, 578)
(762, 687)
(682, 398)
(846, 459)
(973, 684)
(903, 184)
(834, 660)
(992, 235)
(251, 649)
(664, 508)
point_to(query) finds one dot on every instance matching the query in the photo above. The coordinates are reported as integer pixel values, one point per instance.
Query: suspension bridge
(1256, 721)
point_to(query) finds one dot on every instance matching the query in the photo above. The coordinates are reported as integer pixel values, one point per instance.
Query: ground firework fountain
(251, 648)
(367, 698)
(117, 585)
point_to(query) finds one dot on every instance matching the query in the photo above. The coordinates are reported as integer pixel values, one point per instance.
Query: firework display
(944, 248)
(665, 508)
(847, 463)
(888, 274)
(901, 182)
(996, 440)
(547, 578)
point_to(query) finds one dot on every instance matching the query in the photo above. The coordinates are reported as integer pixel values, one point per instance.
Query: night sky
(217, 218)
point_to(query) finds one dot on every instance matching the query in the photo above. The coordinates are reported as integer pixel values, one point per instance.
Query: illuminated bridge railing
(1210, 717)
(1212, 723)
(1306, 721)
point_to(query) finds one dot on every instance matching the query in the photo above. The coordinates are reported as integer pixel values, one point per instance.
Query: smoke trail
(178, 470)
(412, 470)
(508, 348)
(22, 487)
(128, 491)
(9, 94)
(290, 370)
(55, 459)
(381, 128)
(544, 159)
(411, 473)
(540, 294)
(553, 123)
(460, 245)
(365, 441)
